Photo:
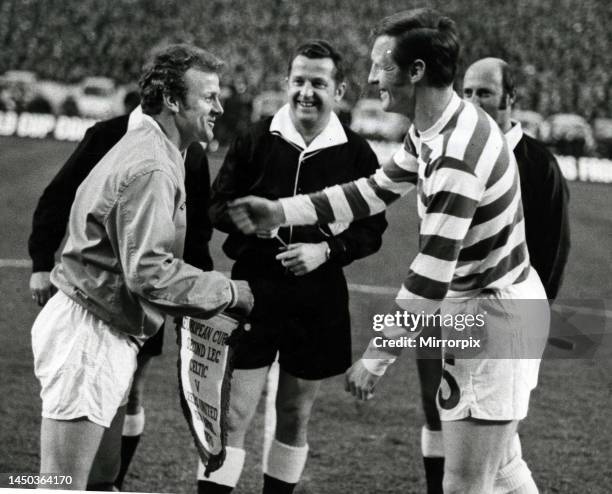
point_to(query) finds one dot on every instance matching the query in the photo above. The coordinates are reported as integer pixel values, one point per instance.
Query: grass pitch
(354, 448)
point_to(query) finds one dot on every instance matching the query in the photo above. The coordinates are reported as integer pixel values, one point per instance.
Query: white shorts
(85, 367)
(497, 384)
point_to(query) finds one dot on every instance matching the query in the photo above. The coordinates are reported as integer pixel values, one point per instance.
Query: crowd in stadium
(561, 47)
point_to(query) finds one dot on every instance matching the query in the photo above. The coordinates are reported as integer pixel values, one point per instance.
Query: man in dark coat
(489, 83)
(302, 148)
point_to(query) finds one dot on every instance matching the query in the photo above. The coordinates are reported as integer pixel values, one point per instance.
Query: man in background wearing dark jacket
(489, 83)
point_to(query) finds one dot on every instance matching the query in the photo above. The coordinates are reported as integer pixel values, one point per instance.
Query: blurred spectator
(554, 43)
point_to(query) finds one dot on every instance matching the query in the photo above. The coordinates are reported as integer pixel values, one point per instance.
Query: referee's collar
(514, 135)
(332, 135)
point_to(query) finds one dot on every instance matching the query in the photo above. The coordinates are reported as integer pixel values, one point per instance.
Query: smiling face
(200, 108)
(395, 90)
(312, 92)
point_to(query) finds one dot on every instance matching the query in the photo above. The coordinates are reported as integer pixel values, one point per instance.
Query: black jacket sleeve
(363, 237)
(231, 182)
(546, 217)
(557, 242)
(199, 226)
(53, 209)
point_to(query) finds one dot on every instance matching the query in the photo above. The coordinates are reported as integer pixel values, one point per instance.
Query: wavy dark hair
(427, 35)
(319, 48)
(164, 74)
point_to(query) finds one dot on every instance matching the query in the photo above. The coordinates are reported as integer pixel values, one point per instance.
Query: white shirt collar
(447, 114)
(332, 135)
(148, 120)
(514, 135)
(135, 118)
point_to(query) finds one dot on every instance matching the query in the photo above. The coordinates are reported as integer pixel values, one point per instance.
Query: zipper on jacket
(302, 157)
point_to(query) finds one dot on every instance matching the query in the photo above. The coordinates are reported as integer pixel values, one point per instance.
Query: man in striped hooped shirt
(471, 243)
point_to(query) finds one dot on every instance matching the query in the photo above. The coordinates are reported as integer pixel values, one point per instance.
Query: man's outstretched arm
(345, 203)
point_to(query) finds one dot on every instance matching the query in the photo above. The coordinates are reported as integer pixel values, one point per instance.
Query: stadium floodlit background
(70, 53)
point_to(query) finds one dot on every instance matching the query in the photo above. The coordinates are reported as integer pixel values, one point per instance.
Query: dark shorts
(153, 346)
(305, 319)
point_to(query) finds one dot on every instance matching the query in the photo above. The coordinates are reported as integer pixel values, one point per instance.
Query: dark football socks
(133, 427)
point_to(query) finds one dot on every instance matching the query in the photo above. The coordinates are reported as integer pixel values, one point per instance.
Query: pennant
(205, 372)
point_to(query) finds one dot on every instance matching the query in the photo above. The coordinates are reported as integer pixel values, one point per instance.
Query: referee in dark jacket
(302, 148)
(49, 227)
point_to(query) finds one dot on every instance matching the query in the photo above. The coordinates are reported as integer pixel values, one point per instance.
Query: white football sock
(432, 445)
(229, 473)
(515, 477)
(133, 425)
(286, 462)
